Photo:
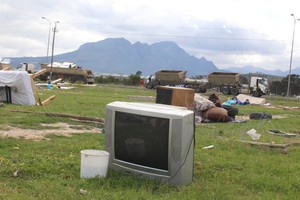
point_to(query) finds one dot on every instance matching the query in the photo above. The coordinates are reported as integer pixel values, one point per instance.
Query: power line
(139, 28)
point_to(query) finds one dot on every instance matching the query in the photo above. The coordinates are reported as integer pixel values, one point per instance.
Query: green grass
(50, 168)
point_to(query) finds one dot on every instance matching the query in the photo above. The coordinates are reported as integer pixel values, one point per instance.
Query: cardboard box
(176, 96)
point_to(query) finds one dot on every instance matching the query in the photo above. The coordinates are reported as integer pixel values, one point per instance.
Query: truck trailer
(226, 82)
(69, 71)
(230, 83)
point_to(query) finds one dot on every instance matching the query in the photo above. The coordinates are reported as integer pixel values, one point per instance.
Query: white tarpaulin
(20, 87)
(252, 100)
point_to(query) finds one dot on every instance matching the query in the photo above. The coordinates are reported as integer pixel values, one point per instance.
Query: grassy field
(50, 168)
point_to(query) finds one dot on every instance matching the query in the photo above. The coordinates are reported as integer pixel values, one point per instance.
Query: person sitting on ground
(215, 99)
(232, 111)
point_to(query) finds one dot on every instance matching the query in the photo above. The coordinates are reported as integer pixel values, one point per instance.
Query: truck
(226, 82)
(230, 83)
(70, 71)
(174, 78)
(29, 67)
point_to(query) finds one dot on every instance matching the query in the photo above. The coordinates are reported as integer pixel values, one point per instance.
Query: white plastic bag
(252, 133)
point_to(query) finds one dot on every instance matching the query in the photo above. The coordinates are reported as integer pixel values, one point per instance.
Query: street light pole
(291, 59)
(54, 31)
(48, 36)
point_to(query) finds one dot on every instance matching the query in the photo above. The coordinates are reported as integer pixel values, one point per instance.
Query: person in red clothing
(142, 83)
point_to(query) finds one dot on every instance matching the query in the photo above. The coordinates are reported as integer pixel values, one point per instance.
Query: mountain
(118, 55)
(252, 69)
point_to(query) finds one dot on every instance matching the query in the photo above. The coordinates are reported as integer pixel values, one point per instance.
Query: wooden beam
(6, 69)
(56, 81)
(75, 117)
(271, 145)
(47, 101)
(38, 73)
(63, 115)
(145, 98)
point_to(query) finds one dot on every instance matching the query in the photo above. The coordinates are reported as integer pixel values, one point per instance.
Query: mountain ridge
(119, 56)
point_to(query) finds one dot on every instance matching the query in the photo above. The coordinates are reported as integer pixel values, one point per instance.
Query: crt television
(151, 140)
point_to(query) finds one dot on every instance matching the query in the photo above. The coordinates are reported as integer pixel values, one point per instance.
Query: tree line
(280, 87)
(133, 79)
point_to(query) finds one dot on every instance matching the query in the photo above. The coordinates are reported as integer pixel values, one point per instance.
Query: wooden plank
(56, 81)
(6, 69)
(145, 98)
(91, 119)
(47, 101)
(35, 93)
(38, 73)
(271, 145)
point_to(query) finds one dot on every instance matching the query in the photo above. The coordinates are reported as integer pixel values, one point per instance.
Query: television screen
(142, 140)
(152, 140)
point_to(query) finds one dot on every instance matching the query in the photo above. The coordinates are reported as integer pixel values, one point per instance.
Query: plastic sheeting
(20, 87)
(252, 100)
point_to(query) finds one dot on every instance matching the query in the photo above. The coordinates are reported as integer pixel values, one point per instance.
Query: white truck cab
(26, 67)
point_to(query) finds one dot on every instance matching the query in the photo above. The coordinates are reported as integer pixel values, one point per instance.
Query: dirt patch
(58, 128)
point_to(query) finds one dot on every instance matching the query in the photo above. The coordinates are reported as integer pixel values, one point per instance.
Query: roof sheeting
(20, 86)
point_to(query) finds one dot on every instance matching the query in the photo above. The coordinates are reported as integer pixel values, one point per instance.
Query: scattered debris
(271, 145)
(47, 101)
(70, 71)
(252, 133)
(285, 107)
(82, 191)
(280, 133)
(260, 116)
(91, 119)
(146, 98)
(209, 147)
(15, 174)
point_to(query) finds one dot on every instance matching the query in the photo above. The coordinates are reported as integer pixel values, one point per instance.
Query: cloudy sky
(231, 33)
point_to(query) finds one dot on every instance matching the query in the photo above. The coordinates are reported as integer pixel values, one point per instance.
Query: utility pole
(54, 31)
(291, 59)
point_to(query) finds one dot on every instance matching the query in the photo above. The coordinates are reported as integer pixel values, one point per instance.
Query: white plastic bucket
(93, 163)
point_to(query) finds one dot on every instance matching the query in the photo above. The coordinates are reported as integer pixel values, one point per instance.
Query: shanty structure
(16, 88)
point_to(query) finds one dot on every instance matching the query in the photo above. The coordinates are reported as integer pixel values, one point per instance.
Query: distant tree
(280, 87)
(294, 84)
(108, 79)
(198, 77)
(244, 80)
(277, 88)
(133, 79)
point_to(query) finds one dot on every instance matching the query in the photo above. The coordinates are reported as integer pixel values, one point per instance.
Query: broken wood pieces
(45, 102)
(81, 118)
(56, 81)
(283, 147)
(38, 73)
(39, 102)
(6, 69)
(144, 98)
